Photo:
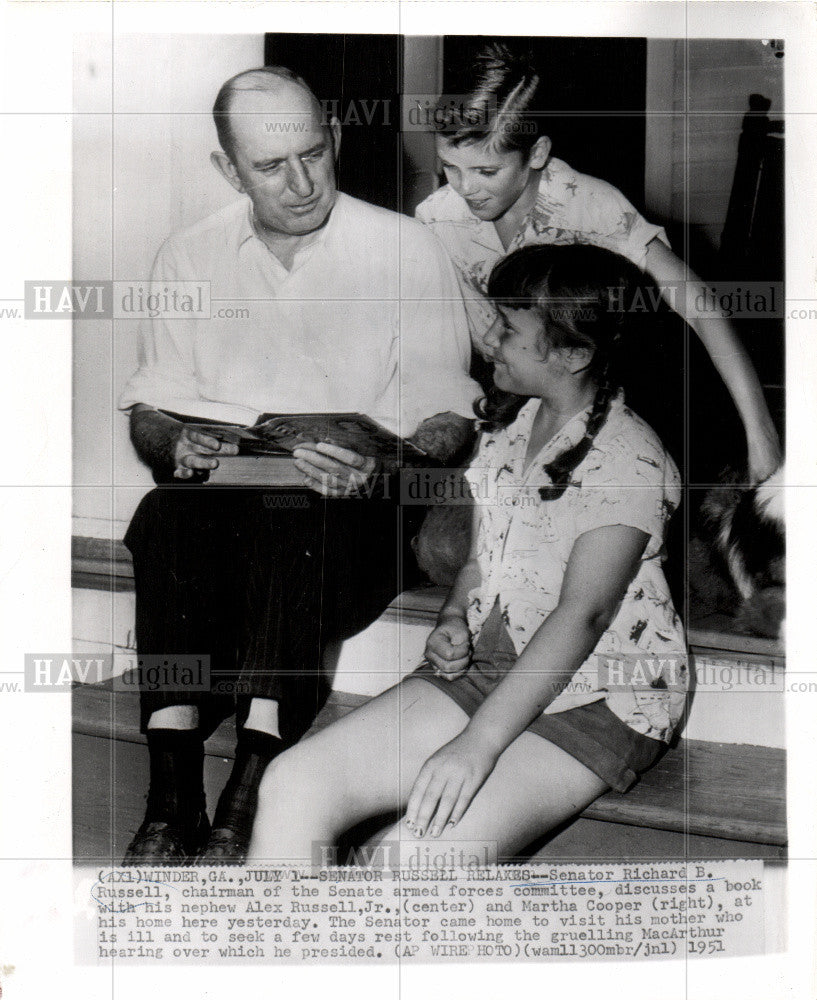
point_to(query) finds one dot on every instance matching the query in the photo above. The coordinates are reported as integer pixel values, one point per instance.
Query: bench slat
(734, 792)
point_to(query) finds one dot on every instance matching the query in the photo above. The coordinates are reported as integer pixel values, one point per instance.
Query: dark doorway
(596, 91)
(357, 78)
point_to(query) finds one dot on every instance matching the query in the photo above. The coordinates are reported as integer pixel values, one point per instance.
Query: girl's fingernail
(419, 831)
(434, 832)
(451, 822)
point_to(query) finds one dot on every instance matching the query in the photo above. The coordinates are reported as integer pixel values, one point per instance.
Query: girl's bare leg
(361, 766)
(534, 787)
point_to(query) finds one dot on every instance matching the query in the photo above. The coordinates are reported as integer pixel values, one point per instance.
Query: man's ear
(540, 153)
(225, 166)
(334, 128)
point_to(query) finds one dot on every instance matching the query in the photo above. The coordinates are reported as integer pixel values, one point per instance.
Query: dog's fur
(737, 555)
(443, 542)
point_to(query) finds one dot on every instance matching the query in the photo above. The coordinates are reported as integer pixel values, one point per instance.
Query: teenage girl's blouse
(523, 545)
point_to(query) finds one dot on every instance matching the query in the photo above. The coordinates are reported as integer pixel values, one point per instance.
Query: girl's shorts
(592, 733)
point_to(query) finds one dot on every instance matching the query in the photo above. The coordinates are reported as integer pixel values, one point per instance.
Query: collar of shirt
(540, 217)
(248, 231)
(566, 437)
(480, 231)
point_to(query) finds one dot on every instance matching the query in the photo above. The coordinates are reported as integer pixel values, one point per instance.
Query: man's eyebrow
(318, 147)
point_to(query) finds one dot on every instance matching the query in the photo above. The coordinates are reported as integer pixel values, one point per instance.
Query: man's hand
(447, 783)
(195, 450)
(170, 448)
(334, 471)
(448, 648)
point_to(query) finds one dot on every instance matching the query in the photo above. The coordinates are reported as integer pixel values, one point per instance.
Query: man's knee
(282, 772)
(159, 501)
(159, 507)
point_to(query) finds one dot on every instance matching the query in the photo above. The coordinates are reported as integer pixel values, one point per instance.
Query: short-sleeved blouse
(524, 543)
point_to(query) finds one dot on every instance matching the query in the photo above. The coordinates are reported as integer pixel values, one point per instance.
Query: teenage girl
(506, 190)
(557, 668)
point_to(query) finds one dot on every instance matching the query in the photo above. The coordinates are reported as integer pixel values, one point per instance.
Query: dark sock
(176, 792)
(237, 803)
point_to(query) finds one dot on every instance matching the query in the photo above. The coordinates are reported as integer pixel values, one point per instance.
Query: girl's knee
(281, 776)
(294, 773)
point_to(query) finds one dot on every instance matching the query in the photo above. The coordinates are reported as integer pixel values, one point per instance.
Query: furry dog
(442, 544)
(737, 556)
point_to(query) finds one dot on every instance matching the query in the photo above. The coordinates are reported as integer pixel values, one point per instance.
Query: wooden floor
(702, 800)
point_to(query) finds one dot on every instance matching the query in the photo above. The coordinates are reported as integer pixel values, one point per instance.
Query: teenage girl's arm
(729, 357)
(602, 563)
(448, 648)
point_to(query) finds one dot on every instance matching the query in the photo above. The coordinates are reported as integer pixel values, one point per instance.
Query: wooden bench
(717, 799)
(703, 799)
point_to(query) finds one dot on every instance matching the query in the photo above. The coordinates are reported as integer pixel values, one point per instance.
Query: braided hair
(581, 293)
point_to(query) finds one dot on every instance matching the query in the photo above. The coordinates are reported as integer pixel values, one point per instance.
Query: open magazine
(265, 447)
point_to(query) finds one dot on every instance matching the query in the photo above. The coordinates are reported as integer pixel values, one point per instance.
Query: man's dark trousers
(260, 580)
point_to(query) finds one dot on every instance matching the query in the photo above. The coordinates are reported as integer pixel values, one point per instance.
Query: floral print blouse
(570, 208)
(524, 543)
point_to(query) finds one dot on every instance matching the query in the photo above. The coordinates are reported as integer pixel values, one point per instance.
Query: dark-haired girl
(557, 667)
(506, 190)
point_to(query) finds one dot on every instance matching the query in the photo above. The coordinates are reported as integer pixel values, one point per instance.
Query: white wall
(142, 139)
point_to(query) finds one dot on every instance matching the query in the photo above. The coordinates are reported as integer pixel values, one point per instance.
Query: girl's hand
(448, 648)
(447, 783)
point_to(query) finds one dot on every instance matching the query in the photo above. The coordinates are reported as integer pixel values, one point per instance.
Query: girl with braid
(557, 667)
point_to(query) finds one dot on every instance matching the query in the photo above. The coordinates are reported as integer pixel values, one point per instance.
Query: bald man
(345, 308)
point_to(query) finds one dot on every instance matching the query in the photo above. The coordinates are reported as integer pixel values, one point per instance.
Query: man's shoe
(161, 843)
(225, 847)
(235, 811)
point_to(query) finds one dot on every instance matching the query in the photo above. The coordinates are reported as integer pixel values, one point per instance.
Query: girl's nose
(491, 338)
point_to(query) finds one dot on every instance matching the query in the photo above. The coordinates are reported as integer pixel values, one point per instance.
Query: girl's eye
(314, 157)
(488, 173)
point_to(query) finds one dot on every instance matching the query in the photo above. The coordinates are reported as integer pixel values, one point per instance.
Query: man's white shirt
(368, 319)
